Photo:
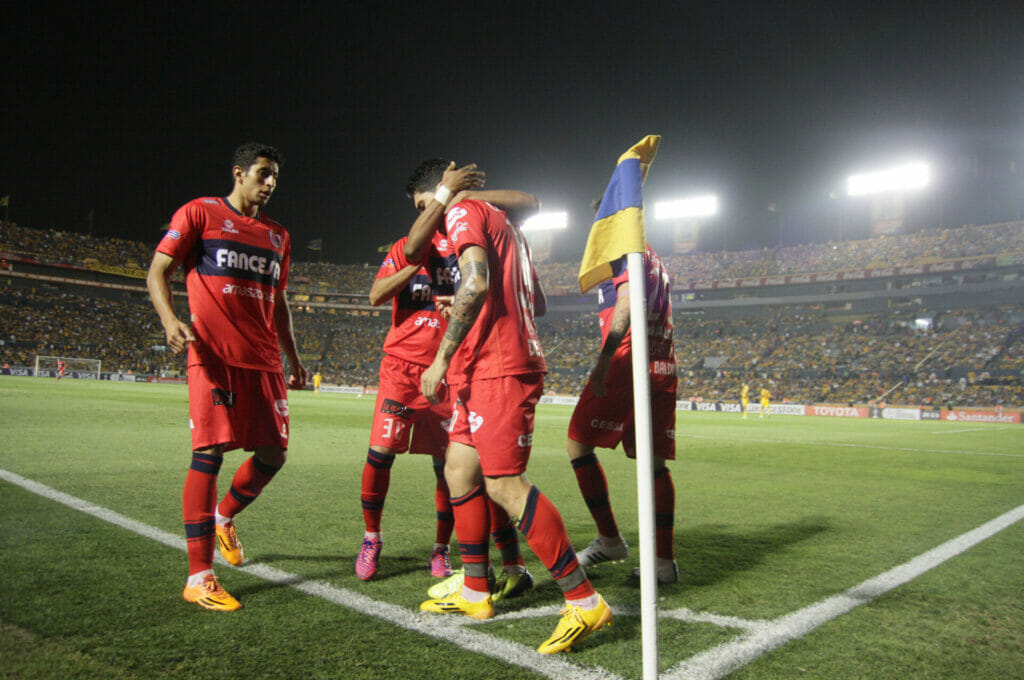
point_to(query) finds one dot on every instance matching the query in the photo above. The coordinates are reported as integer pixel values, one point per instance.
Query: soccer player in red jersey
(403, 420)
(61, 367)
(604, 414)
(493, 361)
(236, 271)
(402, 414)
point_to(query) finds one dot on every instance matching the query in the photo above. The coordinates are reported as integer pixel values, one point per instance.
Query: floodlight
(906, 177)
(546, 221)
(698, 206)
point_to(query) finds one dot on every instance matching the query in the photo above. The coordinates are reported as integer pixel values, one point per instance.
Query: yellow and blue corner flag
(619, 224)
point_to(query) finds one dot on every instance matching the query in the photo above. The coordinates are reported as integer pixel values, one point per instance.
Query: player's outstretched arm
(422, 231)
(518, 205)
(617, 329)
(286, 339)
(469, 300)
(158, 281)
(387, 287)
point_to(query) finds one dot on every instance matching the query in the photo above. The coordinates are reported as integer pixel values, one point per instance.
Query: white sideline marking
(726, 658)
(970, 429)
(687, 615)
(854, 446)
(443, 628)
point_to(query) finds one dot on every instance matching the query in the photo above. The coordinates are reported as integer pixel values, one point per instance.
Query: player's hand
(179, 334)
(466, 177)
(599, 378)
(443, 303)
(298, 377)
(431, 379)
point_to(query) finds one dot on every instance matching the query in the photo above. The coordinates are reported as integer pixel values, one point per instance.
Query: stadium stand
(970, 352)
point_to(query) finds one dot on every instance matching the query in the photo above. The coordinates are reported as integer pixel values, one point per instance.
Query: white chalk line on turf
(443, 628)
(969, 429)
(902, 449)
(728, 657)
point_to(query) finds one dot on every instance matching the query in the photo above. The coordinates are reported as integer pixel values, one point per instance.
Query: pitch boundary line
(683, 614)
(443, 628)
(722, 660)
(855, 446)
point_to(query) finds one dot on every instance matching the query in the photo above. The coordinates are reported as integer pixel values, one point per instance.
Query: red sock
(504, 535)
(594, 487)
(250, 478)
(664, 513)
(376, 479)
(545, 532)
(443, 503)
(197, 503)
(471, 526)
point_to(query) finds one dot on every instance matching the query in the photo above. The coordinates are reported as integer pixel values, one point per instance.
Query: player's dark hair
(427, 175)
(246, 154)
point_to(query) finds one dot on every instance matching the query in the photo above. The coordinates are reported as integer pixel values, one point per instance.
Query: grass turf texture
(772, 515)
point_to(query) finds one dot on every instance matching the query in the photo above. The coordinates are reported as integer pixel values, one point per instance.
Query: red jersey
(235, 267)
(660, 330)
(503, 340)
(416, 325)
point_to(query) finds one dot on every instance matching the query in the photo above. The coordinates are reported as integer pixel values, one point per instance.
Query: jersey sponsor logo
(390, 407)
(211, 200)
(610, 425)
(222, 397)
(173, 233)
(453, 232)
(281, 407)
(275, 239)
(428, 321)
(454, 215)
(663, 367)
(248, 291)
(239, 261)
(475, 421)
(229, 227)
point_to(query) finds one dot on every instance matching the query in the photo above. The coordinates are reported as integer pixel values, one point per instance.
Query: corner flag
(316, 244)
(619, 230)
(619, 224)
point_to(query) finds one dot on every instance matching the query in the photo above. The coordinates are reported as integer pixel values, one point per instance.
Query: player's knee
(273, 456)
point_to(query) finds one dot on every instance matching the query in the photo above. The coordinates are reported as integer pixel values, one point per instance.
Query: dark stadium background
(114, 114)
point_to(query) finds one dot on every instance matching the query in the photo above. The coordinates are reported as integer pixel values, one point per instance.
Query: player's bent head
(426, 176)
(247, 154)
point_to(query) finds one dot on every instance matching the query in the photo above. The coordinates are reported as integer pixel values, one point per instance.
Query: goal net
(83, 368)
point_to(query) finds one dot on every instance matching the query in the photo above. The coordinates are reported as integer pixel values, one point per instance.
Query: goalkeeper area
(87, 369)
(807, 547)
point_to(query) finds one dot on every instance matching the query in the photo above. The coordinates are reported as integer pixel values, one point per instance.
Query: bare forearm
(285, 330)
(422, 231)
(619, 324)
(518, 204)
(385, 288)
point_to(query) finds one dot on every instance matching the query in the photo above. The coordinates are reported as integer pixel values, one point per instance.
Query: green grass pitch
(772, 515)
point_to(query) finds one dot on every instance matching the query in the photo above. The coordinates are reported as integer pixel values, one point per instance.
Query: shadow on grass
(710, 553)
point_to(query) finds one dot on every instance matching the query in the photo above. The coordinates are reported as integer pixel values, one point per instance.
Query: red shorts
(495, 416)
(236, 407)
(401, 406)
(606, 421)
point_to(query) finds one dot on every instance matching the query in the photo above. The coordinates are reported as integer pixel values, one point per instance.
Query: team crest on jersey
(229, 227)
(281, 406)
(173, 233)
(275, 239)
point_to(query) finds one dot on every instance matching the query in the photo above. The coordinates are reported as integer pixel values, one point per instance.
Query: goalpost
(86, 368)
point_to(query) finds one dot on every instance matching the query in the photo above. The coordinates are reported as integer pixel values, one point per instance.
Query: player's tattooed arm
(469, 300)
(617, 328)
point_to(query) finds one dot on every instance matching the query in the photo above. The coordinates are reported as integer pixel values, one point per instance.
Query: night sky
(129, 110)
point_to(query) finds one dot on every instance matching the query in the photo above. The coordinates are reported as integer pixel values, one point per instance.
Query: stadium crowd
(969, 357)
(879, 252)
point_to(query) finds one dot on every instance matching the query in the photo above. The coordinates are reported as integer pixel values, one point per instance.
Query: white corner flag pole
(644, 463)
